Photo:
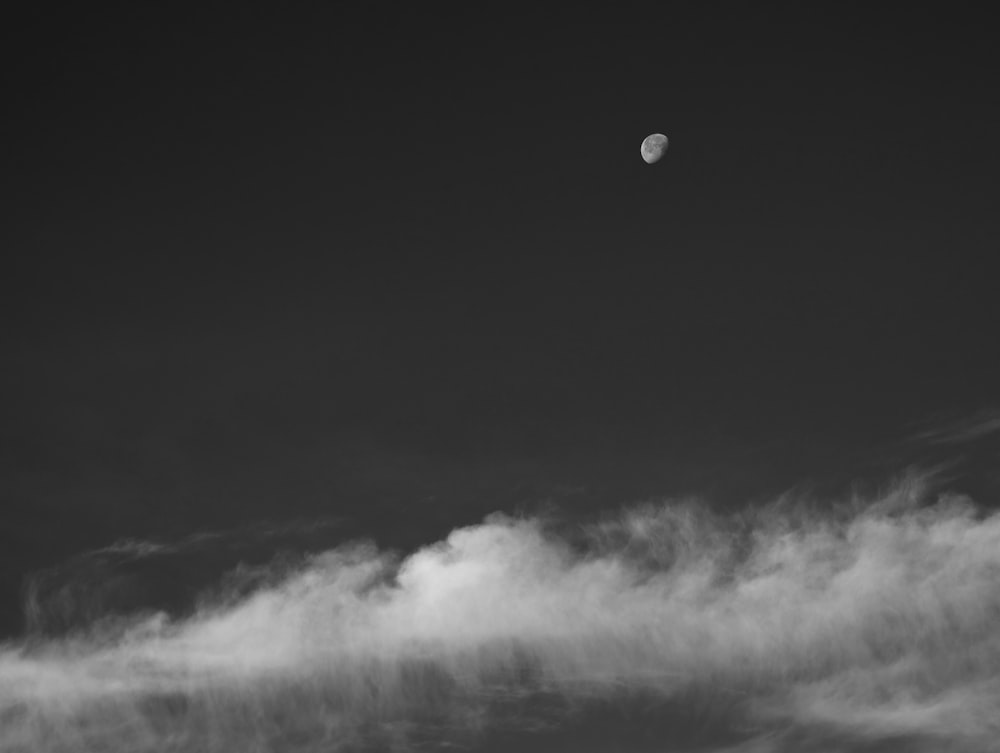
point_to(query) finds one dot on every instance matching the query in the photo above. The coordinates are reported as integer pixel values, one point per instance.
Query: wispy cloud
(665, 627)
(968, 429)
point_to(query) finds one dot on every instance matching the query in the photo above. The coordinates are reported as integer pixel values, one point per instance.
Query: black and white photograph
(489, 379)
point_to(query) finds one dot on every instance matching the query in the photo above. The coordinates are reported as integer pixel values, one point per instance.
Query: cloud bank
(792, 626)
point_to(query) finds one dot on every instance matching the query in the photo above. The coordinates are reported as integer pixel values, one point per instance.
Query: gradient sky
(408, 269)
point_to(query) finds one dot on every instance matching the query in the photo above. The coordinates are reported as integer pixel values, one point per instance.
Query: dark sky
(408, 268)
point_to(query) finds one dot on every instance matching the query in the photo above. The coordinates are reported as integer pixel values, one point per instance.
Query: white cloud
(864, 620)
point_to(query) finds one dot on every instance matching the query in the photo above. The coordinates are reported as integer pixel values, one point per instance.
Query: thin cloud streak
(970, 429)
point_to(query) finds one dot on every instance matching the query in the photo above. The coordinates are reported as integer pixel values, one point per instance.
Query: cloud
(969, 429)
(667, 626)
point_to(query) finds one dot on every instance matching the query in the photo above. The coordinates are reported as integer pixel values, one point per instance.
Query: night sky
(402, 269)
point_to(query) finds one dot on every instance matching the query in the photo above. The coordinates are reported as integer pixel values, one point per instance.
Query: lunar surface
(653, 147)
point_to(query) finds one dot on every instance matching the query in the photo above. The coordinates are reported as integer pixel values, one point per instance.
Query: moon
(653, 147)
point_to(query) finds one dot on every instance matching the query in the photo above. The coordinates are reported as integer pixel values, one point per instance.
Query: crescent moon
(653, 147)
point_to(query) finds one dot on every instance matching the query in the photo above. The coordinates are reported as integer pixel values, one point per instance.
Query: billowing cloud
(794, 626)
